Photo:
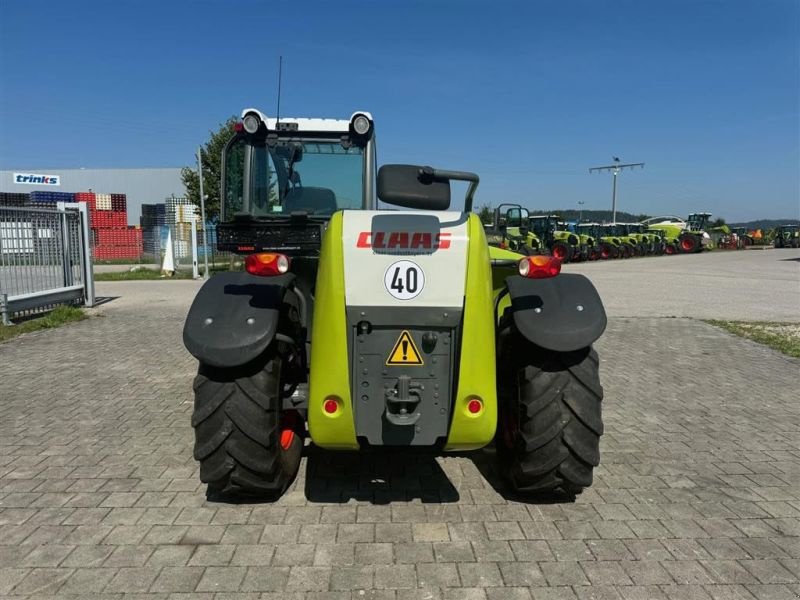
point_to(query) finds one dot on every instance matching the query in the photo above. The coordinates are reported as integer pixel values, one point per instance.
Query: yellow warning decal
(405, 352)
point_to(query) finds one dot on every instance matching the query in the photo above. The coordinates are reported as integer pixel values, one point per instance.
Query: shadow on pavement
(377, 476)
(486, 462)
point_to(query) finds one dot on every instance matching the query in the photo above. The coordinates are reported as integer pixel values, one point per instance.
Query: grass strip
(783, 337)
(55, 318)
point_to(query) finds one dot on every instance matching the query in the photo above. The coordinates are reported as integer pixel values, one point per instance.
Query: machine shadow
(485, 461)
(378, 476)
(383, 476)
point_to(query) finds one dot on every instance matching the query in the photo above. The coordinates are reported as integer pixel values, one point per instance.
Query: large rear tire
(550, 419)
(562, 251)
(688, 243)
(246, 444)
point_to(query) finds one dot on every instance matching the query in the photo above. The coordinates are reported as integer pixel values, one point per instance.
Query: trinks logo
(36, 179)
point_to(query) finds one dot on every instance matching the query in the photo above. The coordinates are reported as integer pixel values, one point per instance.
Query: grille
(287, 237)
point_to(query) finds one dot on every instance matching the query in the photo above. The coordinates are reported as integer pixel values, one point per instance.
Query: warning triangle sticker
(405, 352)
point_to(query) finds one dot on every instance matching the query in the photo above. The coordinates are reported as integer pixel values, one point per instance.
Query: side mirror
(411, 186)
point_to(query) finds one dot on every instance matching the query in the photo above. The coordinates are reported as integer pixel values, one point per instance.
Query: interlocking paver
(697, 495)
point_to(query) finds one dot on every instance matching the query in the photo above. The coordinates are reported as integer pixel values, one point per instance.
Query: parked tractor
(510, 230)
(563, 245)
(362, 328)
(605, 246)
(744, 239)
(690, 234)
(629, 246)
(787, 236)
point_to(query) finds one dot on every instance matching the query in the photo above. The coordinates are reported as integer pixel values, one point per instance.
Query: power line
(615, 169)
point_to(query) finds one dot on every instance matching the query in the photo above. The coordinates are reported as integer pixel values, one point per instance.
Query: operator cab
(283, 179)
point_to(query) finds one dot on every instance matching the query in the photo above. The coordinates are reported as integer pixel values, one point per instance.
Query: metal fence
(156, 239)
(44, 258)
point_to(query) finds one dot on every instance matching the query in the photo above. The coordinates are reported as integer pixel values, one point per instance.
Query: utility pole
(615, 169)
(580, 209)
(203, 211)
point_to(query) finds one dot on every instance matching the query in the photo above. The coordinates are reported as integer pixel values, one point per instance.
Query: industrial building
(140, 186)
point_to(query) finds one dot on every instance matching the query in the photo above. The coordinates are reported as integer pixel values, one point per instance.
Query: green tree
(486, 214)
(718, 222)
(211, 154)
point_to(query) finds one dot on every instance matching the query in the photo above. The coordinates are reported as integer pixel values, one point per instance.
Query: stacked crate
(181, 213)
(14, 199)
(153, 222)
(49, 199)
(108, 217)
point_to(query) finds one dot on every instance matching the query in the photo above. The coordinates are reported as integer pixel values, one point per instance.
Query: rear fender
(234, 317)
(562, 313)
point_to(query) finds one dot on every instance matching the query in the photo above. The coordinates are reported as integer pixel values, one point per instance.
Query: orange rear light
(539, 267)
(266, 264)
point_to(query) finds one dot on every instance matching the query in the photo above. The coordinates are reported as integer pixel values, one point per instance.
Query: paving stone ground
(697, 496)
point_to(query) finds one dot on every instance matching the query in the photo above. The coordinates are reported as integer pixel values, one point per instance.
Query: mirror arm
(461, 176)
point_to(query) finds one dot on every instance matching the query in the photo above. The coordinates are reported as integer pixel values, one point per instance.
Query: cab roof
(308, 124)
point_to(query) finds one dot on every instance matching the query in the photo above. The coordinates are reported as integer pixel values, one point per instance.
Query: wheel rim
(559, 252)
(687, 243)
(605, 253)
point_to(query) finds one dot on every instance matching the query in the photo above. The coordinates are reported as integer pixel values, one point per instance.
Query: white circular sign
(404, 280)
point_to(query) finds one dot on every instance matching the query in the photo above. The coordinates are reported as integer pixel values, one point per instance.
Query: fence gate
(44, 258)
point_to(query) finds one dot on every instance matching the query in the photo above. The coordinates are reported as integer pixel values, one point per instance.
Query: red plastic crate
(117, 252)
(87, 197)
(119, 218)
(118, 236)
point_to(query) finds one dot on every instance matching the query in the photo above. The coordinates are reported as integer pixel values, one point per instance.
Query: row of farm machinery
(515, 229)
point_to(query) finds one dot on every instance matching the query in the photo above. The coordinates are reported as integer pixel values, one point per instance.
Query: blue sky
(528, 94)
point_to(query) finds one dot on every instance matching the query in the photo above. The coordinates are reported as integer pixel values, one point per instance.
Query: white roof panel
(305, 124)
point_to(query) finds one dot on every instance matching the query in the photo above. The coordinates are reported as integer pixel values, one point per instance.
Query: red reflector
(245, 248)
(287, 437)
(266, 264)
(238, 127)
(539, 267)
(474, 406)
(330, 406)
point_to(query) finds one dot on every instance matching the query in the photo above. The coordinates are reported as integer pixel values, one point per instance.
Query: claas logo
(403, 240)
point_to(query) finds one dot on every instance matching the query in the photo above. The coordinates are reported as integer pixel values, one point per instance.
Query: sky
(528, 94)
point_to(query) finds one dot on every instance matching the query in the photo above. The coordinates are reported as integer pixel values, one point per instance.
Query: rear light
(238, 127)
(474, 406)
(331, 406)
(539, 267)
(266, 264)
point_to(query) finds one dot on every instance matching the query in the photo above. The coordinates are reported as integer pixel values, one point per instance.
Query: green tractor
(651, 241)
(360, 328)
(689, 235)
(629, 246)
(510, 230)
(604, 246)
(589, 244)
(564, 245)
(669, 243)
(787, 236)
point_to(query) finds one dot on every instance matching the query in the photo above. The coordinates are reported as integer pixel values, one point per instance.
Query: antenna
(615, 169)
(280, 76)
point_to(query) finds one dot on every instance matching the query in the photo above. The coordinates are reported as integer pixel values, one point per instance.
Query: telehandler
(361, 328)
